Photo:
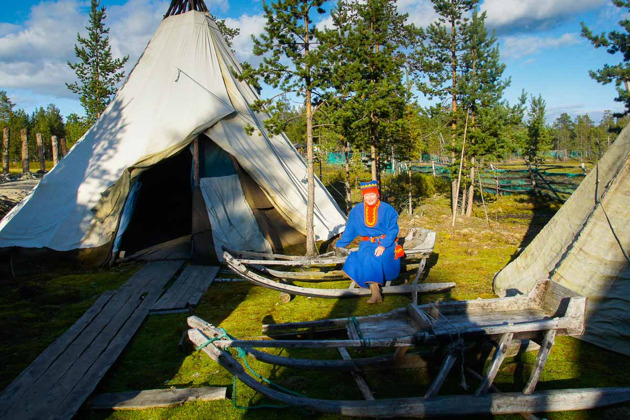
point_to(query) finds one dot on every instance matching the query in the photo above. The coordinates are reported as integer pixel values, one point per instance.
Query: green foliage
(228, 33)
(48, 122)
(76, 127)
(538, 136)
(367, 61)
(98, 72)
(396, 188)
(614, 42)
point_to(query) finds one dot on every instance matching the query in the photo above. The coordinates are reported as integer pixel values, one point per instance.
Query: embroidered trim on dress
(371, 214)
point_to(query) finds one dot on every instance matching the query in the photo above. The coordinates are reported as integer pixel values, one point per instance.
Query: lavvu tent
(585, 247)
(174, 154)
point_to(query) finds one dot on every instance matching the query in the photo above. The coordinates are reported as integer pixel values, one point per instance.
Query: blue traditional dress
(379, 224)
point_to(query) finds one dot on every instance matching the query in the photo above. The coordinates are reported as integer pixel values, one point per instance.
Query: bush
(396, 188)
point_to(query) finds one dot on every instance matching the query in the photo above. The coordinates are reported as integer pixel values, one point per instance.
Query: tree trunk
(410, 184)
(5, 150)
(40, 151)
(25, 163)
(454, 183)
(55, 150)
(348, 190)
(373, 153)
(310, 231)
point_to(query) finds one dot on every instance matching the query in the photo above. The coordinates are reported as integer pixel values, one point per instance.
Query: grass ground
(469, 254)
(16, 167)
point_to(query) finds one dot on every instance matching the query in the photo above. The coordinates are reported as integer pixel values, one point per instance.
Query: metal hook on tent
(179, 71)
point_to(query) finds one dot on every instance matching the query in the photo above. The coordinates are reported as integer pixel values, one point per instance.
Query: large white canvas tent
(585, 247)
(171, 156)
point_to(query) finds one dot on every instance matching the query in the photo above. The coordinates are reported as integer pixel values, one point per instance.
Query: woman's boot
(376, 293)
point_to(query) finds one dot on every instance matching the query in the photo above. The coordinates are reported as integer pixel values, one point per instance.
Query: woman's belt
(373, 238)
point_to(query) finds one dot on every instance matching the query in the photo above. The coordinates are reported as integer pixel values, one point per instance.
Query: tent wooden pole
(196, 162)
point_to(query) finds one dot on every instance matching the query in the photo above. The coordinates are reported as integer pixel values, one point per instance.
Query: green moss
(470, 253)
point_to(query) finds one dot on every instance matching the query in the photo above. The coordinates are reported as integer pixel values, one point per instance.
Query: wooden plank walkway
(57, 383)
(155, 398)
(187, 290)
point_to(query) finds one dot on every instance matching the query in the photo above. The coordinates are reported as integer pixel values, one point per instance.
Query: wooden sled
(259, 279)
(548, 310)
(255, 267)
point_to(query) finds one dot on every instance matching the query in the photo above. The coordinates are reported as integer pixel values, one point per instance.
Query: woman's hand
(379, 251)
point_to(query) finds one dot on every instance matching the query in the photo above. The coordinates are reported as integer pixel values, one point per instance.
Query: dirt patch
(13, 191)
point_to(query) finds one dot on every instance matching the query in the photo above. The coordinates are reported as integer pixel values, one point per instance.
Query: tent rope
(598, 200)
(242, 354)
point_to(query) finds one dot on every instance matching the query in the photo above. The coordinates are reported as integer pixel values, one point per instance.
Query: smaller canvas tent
(585, 247)
(170, 156)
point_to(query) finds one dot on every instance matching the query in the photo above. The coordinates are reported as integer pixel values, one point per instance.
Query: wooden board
(77, 363)
(187, 290)
(155, 398)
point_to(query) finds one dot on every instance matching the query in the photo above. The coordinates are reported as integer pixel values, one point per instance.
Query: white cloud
(516, 47)
(34, 55)
(525, 12)
(214, 5)
(326, 23)
(420, 12)
(243, 44)
(131, 27)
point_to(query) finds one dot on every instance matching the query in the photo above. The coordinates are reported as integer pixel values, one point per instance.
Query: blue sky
(539, 41)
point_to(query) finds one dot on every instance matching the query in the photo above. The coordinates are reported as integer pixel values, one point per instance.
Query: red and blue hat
(369, 187)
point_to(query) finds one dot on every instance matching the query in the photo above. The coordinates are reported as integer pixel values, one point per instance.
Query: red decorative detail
(371, 214)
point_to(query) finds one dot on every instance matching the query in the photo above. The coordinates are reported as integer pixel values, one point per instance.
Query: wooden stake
(40, 151)
(5, 150)
(485, 210)
(55, 150)
(459, 177)
(25, 163)
(63, 146)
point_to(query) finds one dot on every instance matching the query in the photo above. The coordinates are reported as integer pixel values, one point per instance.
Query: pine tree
(438, 62)
(368, 62)
(538, 137)
(614, 42)
(480, 88)
(291, 57)
(563, 133)
(98, 72)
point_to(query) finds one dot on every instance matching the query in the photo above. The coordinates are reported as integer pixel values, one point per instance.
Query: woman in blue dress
(377, 223)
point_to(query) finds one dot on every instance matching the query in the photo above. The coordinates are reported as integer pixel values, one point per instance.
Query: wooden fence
(552, 180)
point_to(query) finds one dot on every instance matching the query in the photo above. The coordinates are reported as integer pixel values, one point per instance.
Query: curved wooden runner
(260, 280)
(456, 405)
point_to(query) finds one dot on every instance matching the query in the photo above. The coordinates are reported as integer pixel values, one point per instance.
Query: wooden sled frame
(259, 279)
(564, 316)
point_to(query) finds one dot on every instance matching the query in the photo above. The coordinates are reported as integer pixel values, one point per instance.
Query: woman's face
(370, 199)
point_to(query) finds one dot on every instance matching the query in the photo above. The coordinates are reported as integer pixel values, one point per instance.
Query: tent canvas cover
(182, 92)
(585, 247)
